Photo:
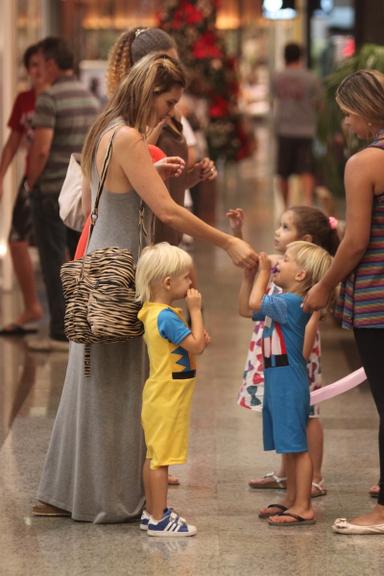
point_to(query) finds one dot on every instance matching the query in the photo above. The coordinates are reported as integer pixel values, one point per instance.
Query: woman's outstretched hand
(317, 298)
(170, 166)
(241, 253)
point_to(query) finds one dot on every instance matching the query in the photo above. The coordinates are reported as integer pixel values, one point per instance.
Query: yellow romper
(168, 391)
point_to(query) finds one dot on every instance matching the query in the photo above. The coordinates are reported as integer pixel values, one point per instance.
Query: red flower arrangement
(213, 72)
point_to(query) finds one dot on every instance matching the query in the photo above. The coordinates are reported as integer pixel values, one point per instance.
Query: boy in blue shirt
(286, 396)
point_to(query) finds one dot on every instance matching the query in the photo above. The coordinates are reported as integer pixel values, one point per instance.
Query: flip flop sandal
(275, 482)
(342, 526)
(18, 329)
(297, 520)
(319, 489)
(264, 515)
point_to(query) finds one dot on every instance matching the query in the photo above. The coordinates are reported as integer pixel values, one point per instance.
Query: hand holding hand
(265, 265)
(236, 219)
(241, 253)
(193, 300)
(170, 166)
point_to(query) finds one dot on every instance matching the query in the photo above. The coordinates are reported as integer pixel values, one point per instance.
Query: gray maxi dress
(93, 467)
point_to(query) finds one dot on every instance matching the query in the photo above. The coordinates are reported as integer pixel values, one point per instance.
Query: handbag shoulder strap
(100, 187)
(103, 176)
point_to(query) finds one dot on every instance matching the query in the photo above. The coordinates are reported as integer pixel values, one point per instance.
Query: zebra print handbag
(99, 288)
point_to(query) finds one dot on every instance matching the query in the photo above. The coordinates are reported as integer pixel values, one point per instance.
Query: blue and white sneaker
(145, 516)
(171, 525)
(144, 520)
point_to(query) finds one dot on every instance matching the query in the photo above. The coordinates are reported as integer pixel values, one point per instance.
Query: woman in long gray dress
(93, 469)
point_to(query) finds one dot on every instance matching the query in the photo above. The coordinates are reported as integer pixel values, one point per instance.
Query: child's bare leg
(304, 475)
(315, 438)
(302, 464)
(147, 486)
(290, 464)
(290, 495)
(158, 486)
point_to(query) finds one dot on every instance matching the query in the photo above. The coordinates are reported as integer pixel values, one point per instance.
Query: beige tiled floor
(225, 452)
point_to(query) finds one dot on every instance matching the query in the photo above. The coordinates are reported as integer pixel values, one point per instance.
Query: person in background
(63, 115)
(297, 94)
(21, 235)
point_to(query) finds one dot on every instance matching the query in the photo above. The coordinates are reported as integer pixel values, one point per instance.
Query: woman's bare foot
(376, 516)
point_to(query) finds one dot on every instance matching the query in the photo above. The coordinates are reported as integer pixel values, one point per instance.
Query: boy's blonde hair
(156, 262)
(314, 260)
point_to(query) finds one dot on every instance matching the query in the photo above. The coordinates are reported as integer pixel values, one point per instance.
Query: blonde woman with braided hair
(93, 469)
(172, 134)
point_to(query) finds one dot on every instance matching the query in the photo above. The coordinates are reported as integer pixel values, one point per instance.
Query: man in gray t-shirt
(63, 116)
(297, 93)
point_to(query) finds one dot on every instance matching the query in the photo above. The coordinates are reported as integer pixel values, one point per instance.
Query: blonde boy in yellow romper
(163, 275)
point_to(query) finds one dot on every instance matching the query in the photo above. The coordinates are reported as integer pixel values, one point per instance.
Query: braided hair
(130, 47)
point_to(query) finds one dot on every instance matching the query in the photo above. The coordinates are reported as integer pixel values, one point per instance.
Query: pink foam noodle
(338, 387)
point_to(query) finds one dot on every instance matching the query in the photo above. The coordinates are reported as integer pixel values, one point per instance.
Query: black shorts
(294, 156)
(22, 224)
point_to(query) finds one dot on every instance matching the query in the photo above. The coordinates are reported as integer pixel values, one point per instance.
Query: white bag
(70, 205)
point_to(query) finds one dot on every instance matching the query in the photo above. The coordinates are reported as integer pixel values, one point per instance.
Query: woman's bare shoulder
(127, 134)
(365, 158)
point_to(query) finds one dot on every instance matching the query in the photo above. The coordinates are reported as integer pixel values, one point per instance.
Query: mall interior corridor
(225, 450)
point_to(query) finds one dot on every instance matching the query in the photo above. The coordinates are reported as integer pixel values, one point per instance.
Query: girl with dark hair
(312, 225)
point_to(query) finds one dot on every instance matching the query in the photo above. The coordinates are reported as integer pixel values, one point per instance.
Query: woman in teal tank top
(359, 260)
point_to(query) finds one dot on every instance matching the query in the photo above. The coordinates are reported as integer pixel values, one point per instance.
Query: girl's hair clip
(333, 222)
(139, 31)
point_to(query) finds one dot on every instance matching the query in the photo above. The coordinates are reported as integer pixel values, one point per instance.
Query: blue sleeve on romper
(171, 327)
(273, 306)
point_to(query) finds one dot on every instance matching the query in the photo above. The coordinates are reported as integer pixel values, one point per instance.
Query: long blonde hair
(362, 93)
(133, 100)
(130, 47)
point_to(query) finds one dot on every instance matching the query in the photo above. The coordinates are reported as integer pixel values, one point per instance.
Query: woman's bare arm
(133, 157)
(359, 188)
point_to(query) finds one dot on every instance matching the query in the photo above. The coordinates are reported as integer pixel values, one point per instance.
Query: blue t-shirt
(283, 334)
